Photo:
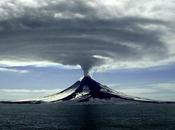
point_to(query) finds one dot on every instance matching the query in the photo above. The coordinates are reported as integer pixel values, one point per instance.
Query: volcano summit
(88, 89)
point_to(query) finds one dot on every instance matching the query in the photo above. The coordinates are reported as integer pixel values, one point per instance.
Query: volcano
(88, 89)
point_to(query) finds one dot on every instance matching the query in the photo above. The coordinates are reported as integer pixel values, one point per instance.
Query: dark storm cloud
(75, 33)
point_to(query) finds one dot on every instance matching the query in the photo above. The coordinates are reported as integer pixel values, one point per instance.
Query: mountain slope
(88, 89)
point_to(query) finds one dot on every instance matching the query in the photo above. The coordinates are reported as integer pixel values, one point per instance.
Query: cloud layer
(24, 94)
(112, 34)
(160, 91)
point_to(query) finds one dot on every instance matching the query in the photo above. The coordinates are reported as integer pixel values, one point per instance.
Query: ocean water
(87, 117)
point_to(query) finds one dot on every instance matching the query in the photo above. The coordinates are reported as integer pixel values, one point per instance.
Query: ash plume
(74, 33)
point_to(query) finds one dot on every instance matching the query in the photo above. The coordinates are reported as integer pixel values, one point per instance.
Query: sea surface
(87, 116)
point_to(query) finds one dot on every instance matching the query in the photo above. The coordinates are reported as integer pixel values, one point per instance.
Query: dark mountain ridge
(86, 90)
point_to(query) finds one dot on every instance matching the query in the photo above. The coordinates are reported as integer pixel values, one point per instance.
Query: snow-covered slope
(87, 90)
(63, 94)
